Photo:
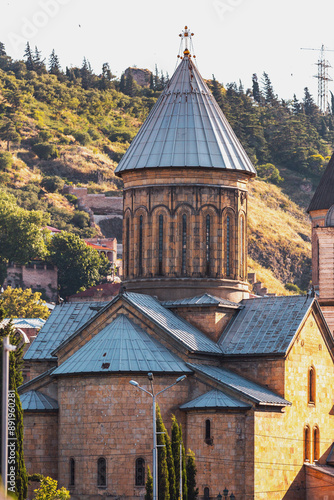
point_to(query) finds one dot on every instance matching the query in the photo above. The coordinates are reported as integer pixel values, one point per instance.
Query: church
(256, 402)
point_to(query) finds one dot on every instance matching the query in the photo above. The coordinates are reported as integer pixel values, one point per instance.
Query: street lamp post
(7, 347)
(154, 396)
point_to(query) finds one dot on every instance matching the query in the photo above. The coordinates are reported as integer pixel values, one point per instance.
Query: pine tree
(86, 74)
(191, 476)
(269, 95)
(129, 85)
(163, 480)
(2, 49)
(15, 380)
(296, 106)
(54, 64)
(216, 91)
(39, 65)
(29, 58)
(256, 89)
(149, 485)
(309, 106)
(122, 83)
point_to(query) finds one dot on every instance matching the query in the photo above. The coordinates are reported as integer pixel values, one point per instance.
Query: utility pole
(323, 78)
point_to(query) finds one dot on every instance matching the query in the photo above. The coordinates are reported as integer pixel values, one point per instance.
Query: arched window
(184, 245)
(307, 442)
(206, 493)
(242, 242)
(127, 249)
(101, 472)
(311, 386)
(228, 245)
(316, 443)
(140, 246)
(207, 245)
(160, 244)
(140, 472)
(208, 437)
(72, 472)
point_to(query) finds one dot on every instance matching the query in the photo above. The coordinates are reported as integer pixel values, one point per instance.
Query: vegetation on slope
(73, 126)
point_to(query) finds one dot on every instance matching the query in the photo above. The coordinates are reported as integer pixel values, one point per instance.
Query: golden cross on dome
(185, 35)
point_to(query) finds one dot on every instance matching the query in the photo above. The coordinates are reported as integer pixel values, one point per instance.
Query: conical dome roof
(186, 128)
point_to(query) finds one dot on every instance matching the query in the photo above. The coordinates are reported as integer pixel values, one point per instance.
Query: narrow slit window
(316, 443)
(140, 472)
(184, 244)
(161, 244)
(307, 444)
(207, 245)
(207, 430)
(241, 247)
(206, 493)
(311, 386)
(140, 252)
(102, 472)
(72, 472)
(127, 246)
(228, 244)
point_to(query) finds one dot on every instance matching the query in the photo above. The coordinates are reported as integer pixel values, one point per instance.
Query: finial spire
(185, 36)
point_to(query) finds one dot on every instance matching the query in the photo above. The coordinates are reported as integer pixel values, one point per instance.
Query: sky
(232, 38)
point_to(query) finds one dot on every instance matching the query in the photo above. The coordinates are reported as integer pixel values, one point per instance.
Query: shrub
(45, 151)
(81, 219)
(294, 288)
(71, 198)
(53, 183)
(44, 136)
(269, 173)
(82, 137)
(6, 160)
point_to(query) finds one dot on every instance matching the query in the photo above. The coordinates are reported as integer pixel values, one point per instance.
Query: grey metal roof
(265, 325)
(122, 346)
(62, 322)
(200, 300)
(186, 128)
(192, 338)
(214, 399)
(323, 197)
(251, 390)
(36, 401)
(24, 322)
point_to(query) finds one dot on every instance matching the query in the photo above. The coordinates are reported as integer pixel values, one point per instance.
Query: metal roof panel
(215, 399)
(36, 401)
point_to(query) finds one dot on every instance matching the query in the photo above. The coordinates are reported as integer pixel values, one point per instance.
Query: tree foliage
(18, 303)
(15, 380)
(79, 266)
(48, 490)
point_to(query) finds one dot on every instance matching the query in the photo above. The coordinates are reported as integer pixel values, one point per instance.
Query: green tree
(15, 380)
(269, 94)
(79, 266)
(130, 88)
(163, 476)
(39, 63)
(184, 470)
(216, 91)
(256, 88)
(269, 173)
(191, 476)
(18, 303)
(29, 58)
(2, 49)
(149, 485)
(8, 132)
(48, 490)
(6, 161)
(176, 451)
(54, 64)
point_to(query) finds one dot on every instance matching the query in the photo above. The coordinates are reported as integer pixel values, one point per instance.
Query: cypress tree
(191, 476)
(149, 485)
(163, 480)
(176, 452)
(173, 494)
(184, 470)
(15, 380)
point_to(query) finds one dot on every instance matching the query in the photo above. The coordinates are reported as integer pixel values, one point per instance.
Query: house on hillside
(256, 405)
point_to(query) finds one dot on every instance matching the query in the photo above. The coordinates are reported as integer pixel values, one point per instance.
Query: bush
(121, 135)
(294, 288)
(45, 151)
(71, 198)
(81, 219)
(6, 161)
(53, 183)
(269, 173)
(82, 137)
(44, 136)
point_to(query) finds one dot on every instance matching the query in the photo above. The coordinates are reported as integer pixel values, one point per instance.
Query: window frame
(138, 465)
(101, 484)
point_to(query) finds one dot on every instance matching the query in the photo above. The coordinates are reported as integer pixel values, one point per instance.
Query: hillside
(73, 127)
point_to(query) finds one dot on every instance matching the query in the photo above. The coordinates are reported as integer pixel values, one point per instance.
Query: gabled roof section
(23, 322)
(178, 328)
(36, 401)
(240, 385)
(214, 399)
(186, 128)
(61, 324)
(122, 346)
(201, 300)
(323, 197)
(265, 325)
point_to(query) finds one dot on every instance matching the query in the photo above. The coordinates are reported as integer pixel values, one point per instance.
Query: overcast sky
(233, 38)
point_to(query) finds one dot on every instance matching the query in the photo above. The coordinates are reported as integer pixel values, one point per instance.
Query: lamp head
(150, 376)
(181, 378)
(133, 382)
